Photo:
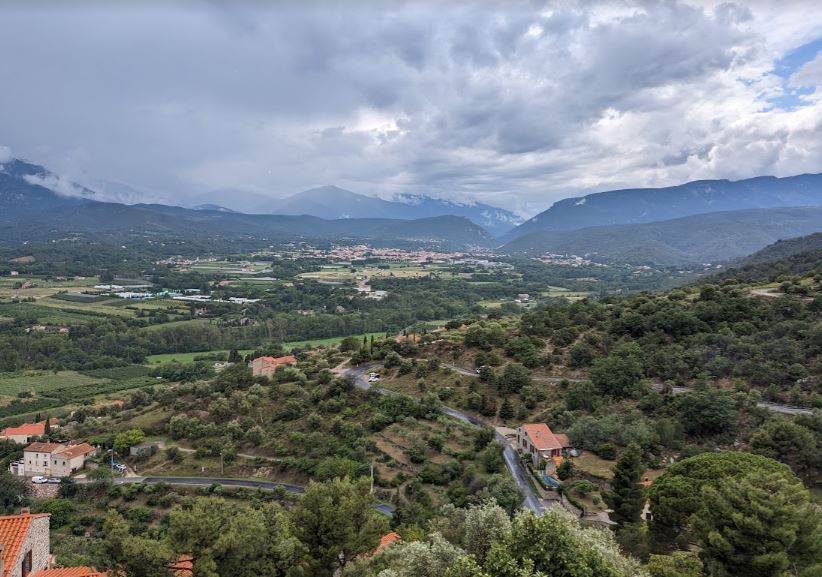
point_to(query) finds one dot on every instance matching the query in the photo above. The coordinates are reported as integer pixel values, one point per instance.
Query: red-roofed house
(25, 544)
(52, 459)
(26, 432)
(267, 366)
(24, 549)
(540, 443)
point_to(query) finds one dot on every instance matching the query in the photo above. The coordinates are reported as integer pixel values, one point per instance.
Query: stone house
(541, 444)
(25, 549)
(52, 459)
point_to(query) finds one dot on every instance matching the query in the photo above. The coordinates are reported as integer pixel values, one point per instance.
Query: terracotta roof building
(540, 443)
(26, 432)
(52, 459)
(267, 366)
(25, 542)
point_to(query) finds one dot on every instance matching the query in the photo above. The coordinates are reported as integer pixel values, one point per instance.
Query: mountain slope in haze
(332, 202)
(794, 256)
(639, 205)
(30, 211)
(702, 238)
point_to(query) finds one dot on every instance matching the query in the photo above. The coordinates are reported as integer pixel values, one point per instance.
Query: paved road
(511, 461)
(386, 508)
(470, 373)
(775, 407)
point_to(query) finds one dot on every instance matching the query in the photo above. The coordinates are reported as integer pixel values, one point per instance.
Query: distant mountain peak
(333, 202)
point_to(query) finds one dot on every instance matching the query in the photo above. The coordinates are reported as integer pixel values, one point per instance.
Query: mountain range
(332, 203)
(697, 222)
(30, 210)
(701, 238)
(642, 205)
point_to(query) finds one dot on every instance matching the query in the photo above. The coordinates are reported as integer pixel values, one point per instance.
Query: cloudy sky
(514, 104)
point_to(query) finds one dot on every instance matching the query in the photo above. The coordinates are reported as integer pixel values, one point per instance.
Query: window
(25, 566)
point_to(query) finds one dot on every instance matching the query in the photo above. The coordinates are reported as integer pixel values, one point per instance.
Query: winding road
(511, 460)
(775, 407)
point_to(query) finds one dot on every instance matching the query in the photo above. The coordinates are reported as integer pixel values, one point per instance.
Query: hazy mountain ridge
(643, 205)
(332, 202)
(30, 211)
(703, 238)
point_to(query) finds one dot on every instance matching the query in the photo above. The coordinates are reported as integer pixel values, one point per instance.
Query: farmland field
(154, 360)
(43, 382)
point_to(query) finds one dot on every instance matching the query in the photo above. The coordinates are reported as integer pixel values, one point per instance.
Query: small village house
(25, 549)
(28, 431)
(541, 444)
(267, 366)
(52, 459)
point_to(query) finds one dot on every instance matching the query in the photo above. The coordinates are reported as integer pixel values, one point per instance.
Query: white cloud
(516, 106)
(58, 184)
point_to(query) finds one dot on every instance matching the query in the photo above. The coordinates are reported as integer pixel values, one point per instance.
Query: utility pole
(221, 463)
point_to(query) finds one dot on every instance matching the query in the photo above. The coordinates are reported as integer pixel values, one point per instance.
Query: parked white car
(39, 480)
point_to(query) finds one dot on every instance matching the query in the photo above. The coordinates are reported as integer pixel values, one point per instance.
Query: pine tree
(47, 429)
(506, 411)
(627, 496)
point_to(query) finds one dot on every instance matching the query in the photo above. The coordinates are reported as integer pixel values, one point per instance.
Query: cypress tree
(627, 496)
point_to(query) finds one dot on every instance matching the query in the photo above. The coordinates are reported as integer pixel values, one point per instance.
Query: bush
(606, 451)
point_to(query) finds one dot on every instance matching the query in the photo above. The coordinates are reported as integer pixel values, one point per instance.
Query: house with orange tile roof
(25, 544)
(24, 549)
(52, 459)
(26, 432)
(267, 366)
(541, 444)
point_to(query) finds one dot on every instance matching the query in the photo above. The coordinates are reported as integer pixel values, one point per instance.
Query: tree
(234, 356)
(502, 489)
(556, 544)
(13, 491)
(483, 526)
(565, 469)
(126, 439)
(790, 443)
(677, 494)
(127, 555)
(47, 427)
(627, 495)
(514, 377)
(506, 411)
(706, 412)
(337, 521)
(758, 525)
(620, 373)
(677, 564)
(220, 537)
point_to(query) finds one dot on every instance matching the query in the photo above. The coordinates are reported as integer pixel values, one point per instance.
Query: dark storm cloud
(514, 103)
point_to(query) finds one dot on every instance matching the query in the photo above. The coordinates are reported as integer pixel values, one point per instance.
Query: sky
(516, 104)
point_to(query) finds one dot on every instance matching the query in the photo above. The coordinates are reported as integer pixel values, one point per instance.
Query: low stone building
(52, 459)
(25, 549)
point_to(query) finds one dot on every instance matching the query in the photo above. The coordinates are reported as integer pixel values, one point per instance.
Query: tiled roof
(44, 448)
(13, 531)
(29, 429)
(76, 450)
(70, 572)
(541, 437)
(563, 440)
